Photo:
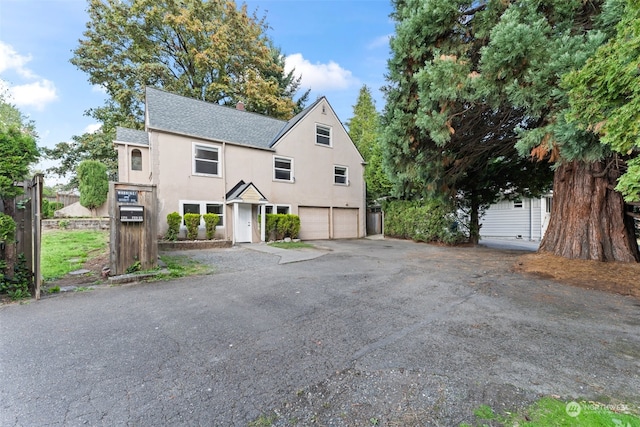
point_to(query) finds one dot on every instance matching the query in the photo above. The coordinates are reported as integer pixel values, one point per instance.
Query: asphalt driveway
(387, 332)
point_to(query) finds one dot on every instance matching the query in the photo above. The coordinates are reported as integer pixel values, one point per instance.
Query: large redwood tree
(453, 57)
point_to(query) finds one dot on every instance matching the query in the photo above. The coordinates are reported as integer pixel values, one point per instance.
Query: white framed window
(282, 169)
(548, 203)
(136, 160)
(518, 204)
(277, 209)
(323, 135)
(341, 175)
(201, 208)
(206, 160)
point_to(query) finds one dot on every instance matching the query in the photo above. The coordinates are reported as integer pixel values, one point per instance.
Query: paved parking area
(386, 330)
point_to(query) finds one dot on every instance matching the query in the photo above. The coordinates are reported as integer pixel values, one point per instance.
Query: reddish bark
(588, 219)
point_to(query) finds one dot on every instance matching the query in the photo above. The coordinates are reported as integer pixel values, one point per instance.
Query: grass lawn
(64, 251)
(550, 412)
(290, 245)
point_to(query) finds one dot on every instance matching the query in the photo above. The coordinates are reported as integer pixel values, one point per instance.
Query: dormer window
(323, 135)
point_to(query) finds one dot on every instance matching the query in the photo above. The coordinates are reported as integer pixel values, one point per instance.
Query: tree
(203, 49)
(94, 184)
(208, 50)
(530, 48)
(364, 130)
(96, 146)
(604, 98)
(17, 151)
(441, 138)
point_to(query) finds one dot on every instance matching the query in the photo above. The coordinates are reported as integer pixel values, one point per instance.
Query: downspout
(530, 219)
(224, 188)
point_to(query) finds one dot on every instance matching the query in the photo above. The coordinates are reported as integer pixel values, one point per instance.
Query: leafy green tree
(203, 49)
(93, 184)
(96, 146)
(364, 130)
(604, 98)
(440, 138)
(18, 150)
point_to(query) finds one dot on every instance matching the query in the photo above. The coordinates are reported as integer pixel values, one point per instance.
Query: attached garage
(314, 223)
(345, 223)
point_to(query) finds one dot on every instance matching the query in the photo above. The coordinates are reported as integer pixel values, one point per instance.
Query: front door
(243, 230)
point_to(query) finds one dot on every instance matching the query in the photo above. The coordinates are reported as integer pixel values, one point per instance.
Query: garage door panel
(345, 223)
(314, 223)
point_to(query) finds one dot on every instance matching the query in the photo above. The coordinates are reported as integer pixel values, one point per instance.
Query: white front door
(243, 228)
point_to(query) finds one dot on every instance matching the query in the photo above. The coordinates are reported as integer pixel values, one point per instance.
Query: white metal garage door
(345, 223)
(314, 223)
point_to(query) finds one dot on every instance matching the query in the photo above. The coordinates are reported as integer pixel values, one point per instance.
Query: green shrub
(192, 221)
(18, 287)
(210, 222)
(50, 208)
(428, 220)
(7, 228)
(279, 226)
(173, 219)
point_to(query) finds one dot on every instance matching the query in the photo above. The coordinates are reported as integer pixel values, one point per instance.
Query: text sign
(131, 213)
(127, 196)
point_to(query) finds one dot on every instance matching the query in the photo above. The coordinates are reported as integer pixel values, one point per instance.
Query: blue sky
(337, 46)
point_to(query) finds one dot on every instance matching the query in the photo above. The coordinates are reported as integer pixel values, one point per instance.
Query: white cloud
(36, 93)
(12, 60)
(382, 41)
(319, 77)
(93, 127)
(98, 89)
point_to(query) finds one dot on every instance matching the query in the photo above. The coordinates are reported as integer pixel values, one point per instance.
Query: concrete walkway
(288, 255)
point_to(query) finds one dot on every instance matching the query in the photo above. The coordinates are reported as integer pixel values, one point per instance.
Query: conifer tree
(440, 139)
(364, 130)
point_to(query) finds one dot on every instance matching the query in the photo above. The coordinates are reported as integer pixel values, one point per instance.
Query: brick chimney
(240, 106)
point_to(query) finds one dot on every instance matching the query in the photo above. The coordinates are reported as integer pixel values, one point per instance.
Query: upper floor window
(205, 160)
(518, 204)
(340, 175)
(136, 160)
(282, 169)
(323, 135)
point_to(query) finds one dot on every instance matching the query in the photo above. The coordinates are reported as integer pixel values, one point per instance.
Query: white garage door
(314, 223)
(345, 223)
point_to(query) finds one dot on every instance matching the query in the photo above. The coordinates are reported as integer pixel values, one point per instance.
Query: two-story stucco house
(204, 157)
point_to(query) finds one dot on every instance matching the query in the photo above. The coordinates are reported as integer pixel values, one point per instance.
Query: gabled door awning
(246, 193)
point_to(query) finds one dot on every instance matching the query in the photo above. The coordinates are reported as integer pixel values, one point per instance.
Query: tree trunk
(588, 219)
(474, 220)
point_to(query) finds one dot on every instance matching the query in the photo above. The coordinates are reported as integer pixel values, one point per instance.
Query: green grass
(181, 266)
(290, 245)
(64, 251)
(549, 412)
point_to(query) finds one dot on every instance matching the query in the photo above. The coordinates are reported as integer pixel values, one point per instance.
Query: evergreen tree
(94, 184)
(604, 98)
(364, 130)
(441, 138)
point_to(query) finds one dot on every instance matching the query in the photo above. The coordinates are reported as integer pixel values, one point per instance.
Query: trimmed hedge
(423, 221)
(192, 222)
(173, 219)
(210, 222)
(279, 226)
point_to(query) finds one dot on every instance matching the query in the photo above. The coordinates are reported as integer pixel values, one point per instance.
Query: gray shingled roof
(132, 136)
(178, 114)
